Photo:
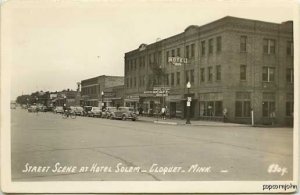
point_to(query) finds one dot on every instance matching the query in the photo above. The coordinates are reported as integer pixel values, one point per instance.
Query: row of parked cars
(109, 112)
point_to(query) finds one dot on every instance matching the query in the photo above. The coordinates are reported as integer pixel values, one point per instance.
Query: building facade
(233, 64)
(91, 89)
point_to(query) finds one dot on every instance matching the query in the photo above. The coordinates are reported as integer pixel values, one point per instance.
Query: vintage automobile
(86, 110)
(107, 112)
(124, 113)
(58, 109)
(95, 112)
(77, 110)
(32, 108)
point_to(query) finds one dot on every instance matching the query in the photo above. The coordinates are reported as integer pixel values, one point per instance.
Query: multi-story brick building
(233, 63)
(91, 89)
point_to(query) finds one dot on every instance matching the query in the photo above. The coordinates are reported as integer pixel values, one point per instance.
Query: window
(173, 52)
(289, 75)
(210, 46)
(202, 48)
(192, 76)
(178, 78)
(242, 104)
(187, 51)
(210, 74)
(127, 82)
(192, 50)
(172, 79)
(290, 48)
(268, 108)
(167, 79)
(269, 46)
(268, 74)
(134, 81)
(202, 74)
(187, 79)
(218, 73)
(211, 108)
(219, 44)
(243, 44)
(243, 72)
(289, 108)
(178, 52)
(167, 56)
(130, 82)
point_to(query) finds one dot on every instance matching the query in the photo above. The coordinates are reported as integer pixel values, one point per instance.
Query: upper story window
(173, 52)
(218, 72)
(290, 75)
(187, 79)
(178, 78)
(290, 48)
(210, 74)
(192, 50)
(172, 79)
(192, 76)
(268, 74)
(219, 44)
(167, 56)
(210, 46)
(178, 52)
(243, 44)
(202, 48)
(187, 51)
(269, 46)
(243, 72)
(202, 74)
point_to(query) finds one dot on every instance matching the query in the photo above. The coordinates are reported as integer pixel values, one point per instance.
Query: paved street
(102, 149)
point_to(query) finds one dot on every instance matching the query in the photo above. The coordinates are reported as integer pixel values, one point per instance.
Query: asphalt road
(111, 150)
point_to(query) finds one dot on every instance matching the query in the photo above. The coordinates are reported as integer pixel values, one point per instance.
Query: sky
(51, 45)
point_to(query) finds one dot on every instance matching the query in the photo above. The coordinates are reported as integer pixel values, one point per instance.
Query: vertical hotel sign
(177, 61)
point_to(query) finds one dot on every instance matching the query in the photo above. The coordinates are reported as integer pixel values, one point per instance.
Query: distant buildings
(232, 63)
(95, 91)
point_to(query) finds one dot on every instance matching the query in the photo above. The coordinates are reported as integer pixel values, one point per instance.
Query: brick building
(233, 63)
(92, 88)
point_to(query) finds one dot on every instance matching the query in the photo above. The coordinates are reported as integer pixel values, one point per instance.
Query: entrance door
(173, 109)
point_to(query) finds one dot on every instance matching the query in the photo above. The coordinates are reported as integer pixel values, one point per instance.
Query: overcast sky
(51, 45)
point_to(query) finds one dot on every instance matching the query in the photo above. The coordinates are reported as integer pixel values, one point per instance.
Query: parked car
(124, 113)
(86, 110)
(59, 109)
(95, 112)
(77, 110)
(32, 108)
(107, 112)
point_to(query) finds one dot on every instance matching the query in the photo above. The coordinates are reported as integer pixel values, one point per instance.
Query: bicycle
(67, 114)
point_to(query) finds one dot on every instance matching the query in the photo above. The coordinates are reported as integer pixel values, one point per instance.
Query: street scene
(47, 147)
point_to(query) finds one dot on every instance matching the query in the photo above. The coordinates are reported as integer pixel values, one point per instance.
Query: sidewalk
(177, 121)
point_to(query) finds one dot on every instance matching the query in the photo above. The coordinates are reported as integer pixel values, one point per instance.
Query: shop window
(268, 107)
(211, 108)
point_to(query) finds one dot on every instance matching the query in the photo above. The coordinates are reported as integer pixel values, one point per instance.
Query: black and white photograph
(149, 96)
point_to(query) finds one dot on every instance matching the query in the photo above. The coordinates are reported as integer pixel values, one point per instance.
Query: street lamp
(188, 103)
(102, 96)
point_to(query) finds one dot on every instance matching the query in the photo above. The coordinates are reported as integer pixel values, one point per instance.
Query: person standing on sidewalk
(225, 115)
(163, 113)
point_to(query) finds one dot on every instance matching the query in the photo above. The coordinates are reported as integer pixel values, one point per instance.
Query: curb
(166, 123)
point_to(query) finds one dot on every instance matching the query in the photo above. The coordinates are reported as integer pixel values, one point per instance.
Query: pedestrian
(225, 115)
(273, 116)
(163, 113)
(140, 111)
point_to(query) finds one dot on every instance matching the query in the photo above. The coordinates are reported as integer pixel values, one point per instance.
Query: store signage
(177, 61)
(188, 104)
(189, 99)
(159, 91)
